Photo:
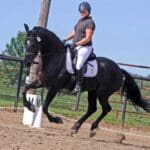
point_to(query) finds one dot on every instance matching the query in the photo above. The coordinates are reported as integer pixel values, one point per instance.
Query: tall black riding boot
(79, 80)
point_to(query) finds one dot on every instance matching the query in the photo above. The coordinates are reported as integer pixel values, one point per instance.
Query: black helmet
(85, 6)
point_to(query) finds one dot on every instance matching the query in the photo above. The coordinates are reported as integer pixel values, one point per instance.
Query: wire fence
(10, 94)
(16, 72)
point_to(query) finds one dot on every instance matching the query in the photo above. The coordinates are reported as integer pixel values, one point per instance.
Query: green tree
(16, 45)
(10, 69)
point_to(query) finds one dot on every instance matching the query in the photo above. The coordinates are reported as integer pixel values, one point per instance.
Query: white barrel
(29, 116)
(38, 118)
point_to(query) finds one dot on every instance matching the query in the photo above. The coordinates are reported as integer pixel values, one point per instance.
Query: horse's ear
(26, 28)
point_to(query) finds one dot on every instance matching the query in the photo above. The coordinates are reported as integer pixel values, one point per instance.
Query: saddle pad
(92, 67)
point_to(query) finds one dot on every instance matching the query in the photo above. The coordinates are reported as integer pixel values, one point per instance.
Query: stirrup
(77, 89)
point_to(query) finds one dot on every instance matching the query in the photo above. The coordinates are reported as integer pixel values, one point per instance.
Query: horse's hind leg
(103, 99)
(50, 95)
(91, 109)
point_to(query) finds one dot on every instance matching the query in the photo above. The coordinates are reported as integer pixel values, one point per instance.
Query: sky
(122, 26)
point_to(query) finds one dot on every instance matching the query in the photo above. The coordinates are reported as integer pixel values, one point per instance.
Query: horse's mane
(50, 40)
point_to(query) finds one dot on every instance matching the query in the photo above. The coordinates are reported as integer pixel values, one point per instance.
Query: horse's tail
(133, 92)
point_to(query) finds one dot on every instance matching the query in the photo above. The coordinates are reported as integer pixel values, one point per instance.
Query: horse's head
(41, 40)
(32, 45)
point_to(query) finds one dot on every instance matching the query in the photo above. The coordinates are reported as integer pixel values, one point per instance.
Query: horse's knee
(107, 108)
(92, 110)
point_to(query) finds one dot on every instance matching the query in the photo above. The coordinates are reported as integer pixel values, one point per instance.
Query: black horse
(55, 77)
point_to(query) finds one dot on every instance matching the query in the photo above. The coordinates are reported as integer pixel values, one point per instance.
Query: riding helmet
(85, 6)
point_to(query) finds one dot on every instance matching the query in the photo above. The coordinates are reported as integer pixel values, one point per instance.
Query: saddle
(90, 67)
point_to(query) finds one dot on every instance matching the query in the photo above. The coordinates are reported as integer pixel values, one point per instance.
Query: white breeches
(83, 53)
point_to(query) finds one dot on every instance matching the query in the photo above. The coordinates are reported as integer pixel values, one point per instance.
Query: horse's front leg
(35, 84)
(50, 95)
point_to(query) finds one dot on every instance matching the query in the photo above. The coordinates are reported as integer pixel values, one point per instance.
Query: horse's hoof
(73, 131)
(58, 120)
(92, 133)
(121, 137)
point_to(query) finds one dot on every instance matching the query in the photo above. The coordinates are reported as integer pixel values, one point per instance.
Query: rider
(82, 41)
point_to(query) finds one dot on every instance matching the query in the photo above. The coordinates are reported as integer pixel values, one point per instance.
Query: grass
(8, 91)
(65, 105)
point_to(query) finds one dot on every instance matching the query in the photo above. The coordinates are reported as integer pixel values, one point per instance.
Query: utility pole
(43, 19)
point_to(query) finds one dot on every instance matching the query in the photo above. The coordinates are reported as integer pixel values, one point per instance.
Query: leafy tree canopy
(10, 69)
(16, 45)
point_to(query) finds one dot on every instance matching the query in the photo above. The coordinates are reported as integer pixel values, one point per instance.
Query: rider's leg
(83, 53)
(79, 80)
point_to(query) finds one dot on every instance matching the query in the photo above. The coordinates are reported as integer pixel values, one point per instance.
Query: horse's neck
(54, 62)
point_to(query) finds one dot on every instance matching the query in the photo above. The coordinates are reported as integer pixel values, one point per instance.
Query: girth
(92, 56)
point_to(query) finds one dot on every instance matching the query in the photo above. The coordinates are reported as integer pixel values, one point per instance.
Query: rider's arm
(88, 37)
(70, 36)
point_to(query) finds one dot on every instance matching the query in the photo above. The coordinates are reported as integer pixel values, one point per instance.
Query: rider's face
(84, 13)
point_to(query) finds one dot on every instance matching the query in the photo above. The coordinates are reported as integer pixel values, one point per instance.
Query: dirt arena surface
(15, 136)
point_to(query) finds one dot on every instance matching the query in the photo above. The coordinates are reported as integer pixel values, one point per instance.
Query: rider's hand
(64, 41)
(72, 46)
(65, 44)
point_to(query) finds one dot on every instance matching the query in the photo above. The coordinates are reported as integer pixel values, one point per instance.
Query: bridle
(39, 52)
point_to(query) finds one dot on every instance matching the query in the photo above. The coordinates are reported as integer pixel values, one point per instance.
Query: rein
(39, 53)
(43, 55)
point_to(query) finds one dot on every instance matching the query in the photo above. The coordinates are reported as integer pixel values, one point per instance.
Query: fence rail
(122, 102)
(12, 58)
(136, 66)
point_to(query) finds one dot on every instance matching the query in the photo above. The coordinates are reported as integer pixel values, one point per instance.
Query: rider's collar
(87, 17)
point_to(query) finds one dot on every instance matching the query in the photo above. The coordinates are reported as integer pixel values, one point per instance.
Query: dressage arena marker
(33, 119)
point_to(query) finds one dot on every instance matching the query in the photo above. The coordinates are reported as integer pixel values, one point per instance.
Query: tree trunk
(43, 19)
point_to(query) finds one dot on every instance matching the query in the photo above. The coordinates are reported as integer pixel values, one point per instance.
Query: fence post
(78, 101)
(19, 86)
(124, 105)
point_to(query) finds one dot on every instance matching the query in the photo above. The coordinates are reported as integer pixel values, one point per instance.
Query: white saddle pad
(92, 67)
